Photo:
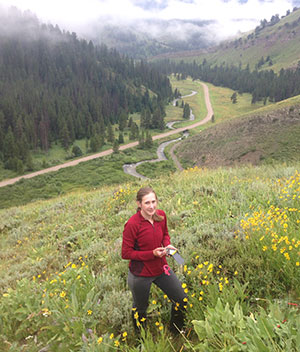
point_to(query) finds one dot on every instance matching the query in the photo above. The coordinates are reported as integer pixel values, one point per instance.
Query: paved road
(122, 147)
(131, 168)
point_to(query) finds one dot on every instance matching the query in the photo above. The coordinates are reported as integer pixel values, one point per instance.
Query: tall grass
(63, 283)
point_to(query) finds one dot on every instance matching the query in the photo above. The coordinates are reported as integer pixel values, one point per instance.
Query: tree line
(263, 84)
(55, 88)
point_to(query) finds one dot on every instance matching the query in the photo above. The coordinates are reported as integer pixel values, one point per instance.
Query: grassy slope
(280, 42)
(97, 173)
(269, 134)
(204, 207)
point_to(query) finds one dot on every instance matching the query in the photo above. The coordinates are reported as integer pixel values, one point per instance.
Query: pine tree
(65, 137)
(186, 111)
(121, 138)
(148, 142)
(142, 140)
(157, 119)
(116, 147)
(110, 133)
(9, 146)
(134, 131)
(234, 98)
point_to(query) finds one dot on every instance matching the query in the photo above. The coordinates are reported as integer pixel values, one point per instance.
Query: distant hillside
(149, 37)
(271, 135)
(275, 44)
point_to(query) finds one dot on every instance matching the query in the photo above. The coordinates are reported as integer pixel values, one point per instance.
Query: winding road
(122, 147)
(130, 169)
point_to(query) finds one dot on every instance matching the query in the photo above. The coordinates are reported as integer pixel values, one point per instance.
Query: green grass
(88, 175)
(267, 135)
(196, 102)
(223, 107)
(157, 169)
(57, 154)
(63, 283)
(99, 172)
(278, 42)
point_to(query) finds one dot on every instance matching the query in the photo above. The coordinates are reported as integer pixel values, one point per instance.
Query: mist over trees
(55, 88)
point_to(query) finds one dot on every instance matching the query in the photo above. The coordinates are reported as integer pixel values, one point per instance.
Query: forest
(55, 88)
(262, 84)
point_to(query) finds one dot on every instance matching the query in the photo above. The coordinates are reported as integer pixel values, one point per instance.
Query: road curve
(122, 147)
(130, 169)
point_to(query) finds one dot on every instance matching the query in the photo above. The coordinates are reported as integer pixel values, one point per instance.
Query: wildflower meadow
(63, 284)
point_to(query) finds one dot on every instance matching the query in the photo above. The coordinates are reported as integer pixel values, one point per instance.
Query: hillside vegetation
(58, 89)
(277, 40)
(268, 135)
(63, 283)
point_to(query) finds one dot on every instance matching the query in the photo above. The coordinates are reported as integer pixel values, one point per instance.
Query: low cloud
(225, 17)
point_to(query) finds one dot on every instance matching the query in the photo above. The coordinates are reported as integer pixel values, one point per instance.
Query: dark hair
(144, 191)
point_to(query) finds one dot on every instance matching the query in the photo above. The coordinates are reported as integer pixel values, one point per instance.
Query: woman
(145, 243)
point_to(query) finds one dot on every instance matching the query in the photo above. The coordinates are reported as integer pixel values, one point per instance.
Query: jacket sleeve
(128, 245)
(166, 239)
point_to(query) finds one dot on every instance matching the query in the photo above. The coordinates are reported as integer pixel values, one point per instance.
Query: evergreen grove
(56, 88)
(263, 85)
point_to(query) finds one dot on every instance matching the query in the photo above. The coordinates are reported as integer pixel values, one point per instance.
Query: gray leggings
(140, 289)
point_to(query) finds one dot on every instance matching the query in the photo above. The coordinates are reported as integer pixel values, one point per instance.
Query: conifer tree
(142, 140)
(116, 147)
(110, 133)
(65, 137)
(186, 111)
(9, 146)
(121, 138)
(148, 142)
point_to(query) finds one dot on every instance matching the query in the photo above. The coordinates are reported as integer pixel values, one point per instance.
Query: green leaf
(199, 326)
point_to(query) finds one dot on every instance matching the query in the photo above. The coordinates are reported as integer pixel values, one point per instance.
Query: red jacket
(140, 237)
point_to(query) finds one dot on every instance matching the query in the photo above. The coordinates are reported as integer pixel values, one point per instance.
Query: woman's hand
(159, 252)
(171, 247)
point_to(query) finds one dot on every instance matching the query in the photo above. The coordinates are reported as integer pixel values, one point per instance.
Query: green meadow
(63, 282)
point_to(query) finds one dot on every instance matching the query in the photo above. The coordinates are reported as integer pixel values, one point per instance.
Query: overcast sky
(231, 16)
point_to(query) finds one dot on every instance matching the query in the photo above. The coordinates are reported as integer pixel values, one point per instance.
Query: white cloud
(76, 14)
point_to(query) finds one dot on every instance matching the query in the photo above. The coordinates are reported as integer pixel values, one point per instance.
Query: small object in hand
(174, 253)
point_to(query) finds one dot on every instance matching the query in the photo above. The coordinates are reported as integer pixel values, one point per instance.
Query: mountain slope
(277, 41)
(56, 88)
(149, 37)
(63, 283)
(270, 135)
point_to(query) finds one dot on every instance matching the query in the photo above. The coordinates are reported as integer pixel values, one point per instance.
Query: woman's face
(148, 205)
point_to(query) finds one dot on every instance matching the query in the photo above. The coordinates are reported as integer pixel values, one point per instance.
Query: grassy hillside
(280, 41)
(63, 283)
(268, 135)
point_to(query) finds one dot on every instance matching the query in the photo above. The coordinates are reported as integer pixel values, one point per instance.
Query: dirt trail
(207, 118)
(122, 147)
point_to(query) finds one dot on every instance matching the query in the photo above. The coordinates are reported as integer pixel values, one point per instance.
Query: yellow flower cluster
(121, 196)
(206, 274)
(56, 284)
(116, 340)
(277, 228)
